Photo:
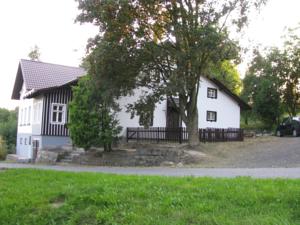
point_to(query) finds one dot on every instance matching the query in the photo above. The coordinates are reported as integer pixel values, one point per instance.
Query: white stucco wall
(125, 120)
(29, 126)
(37, 115)
(228, 110)
(160, 114)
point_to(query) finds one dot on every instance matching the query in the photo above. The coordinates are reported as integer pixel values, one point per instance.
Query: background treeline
(8, 131)
(272, 83)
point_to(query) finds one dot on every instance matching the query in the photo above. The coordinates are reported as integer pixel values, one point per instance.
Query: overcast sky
(49, 24)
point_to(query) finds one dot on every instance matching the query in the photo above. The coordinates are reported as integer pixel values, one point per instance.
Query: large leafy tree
(228, 74)
(274, 77)
(164, 45)
(266, 102)
(287, 68)
(261, 87)
(92, 119)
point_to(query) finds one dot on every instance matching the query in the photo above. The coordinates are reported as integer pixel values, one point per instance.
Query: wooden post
(242, 134)
(180, 135)
(203, 135)
(127, 134)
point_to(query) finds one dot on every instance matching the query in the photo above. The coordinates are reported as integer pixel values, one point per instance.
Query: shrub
(3, 149)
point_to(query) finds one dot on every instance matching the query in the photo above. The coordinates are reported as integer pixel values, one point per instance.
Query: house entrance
(173, 117)
(173, 122)
(35, 149)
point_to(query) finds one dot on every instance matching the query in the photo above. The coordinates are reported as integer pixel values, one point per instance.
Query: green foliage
(34, 53)
(38, 197)
(164, 46)
(266, 102)
(288, 69)
(92, 121)
(8, 128)
(272, 83)
(3, 150)
(228, 74)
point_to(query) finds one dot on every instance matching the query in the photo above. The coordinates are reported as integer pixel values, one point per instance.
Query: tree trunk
(107, 147)
(192, 128)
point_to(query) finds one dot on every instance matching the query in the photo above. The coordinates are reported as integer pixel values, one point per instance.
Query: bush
(3, 149)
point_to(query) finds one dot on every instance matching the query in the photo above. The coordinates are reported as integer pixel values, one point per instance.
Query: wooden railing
(164, 134)
(157, 134)
(221, 135)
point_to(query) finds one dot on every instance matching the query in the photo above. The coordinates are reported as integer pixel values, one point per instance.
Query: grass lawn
(48, 197)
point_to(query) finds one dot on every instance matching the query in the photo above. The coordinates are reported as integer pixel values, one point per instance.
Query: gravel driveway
(261, 152)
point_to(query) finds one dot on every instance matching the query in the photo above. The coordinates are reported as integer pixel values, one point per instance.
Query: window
(58, 113)
(21, 140)
(29, 115)
(29, 140)
(37, 108)
(25, 141)
(146, 119)
(25, 116)
(21, 117)
(211, 116)
(212, 93)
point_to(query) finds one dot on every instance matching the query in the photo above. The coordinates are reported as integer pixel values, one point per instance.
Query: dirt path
(258, 152)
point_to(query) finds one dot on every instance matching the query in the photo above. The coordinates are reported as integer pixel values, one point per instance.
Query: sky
(49, 24)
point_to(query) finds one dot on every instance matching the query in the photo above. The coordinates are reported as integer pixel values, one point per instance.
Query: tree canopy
(164, 46)
(228, 74)
(92, 124)
(277, 70)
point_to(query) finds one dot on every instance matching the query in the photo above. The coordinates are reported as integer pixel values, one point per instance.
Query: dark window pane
(54, 116)
(54, 107)
(59, 117)
(211, 116)
(60, 108)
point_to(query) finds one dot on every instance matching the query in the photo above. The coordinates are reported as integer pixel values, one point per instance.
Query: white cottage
(44, 91)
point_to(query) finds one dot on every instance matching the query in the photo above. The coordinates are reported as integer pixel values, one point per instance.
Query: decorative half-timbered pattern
(60, 96)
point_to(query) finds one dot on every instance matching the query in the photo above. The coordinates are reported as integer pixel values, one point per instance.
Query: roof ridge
(76, 67)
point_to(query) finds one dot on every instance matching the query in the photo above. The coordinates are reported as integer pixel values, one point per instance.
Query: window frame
(37, 111)
(29, 116)
(25, 117)
(215, 90)
(151, 120)
(207, 117)
(63, 111)
(21, 117)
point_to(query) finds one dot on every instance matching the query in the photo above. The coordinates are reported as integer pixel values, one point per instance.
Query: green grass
(49, 197)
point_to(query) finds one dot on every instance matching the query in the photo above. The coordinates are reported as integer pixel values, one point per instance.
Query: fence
(157, 134)
(221, 135)
(164, 134)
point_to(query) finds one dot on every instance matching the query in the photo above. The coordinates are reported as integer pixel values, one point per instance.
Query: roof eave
(243, 105)
(35, 93)
(18, 84)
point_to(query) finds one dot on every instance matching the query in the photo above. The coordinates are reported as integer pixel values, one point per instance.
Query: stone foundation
(142, 155)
